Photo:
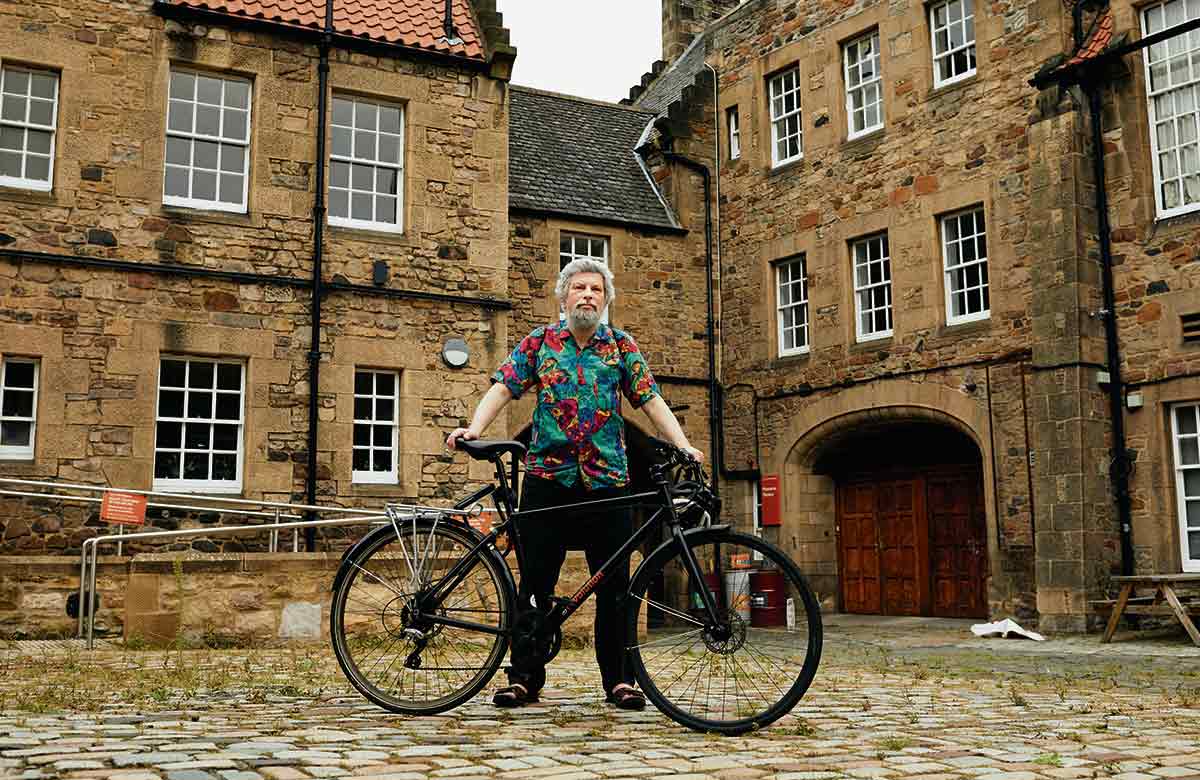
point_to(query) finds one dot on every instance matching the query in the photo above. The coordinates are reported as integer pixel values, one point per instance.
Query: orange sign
(481, 522)
(739, 561)
(123, 508)
(772, 511)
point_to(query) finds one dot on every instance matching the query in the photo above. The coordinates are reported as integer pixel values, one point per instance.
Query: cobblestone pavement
(894, 699)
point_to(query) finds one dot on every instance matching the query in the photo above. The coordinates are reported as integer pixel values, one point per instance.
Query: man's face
(585, 299)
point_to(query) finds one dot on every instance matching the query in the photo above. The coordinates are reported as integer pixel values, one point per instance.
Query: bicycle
(424, 607)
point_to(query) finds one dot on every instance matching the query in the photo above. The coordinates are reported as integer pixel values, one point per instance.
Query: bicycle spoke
(405, 658)
(670, 611)
(674, 637)
(732, 676)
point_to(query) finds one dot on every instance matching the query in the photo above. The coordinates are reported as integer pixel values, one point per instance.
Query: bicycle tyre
(368, 617)
(770, 668)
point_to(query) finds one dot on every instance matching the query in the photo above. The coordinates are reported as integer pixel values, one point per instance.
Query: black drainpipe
(1092, 81)
(448, 23)
(1119, 470)
(714, 429)
(314, 349)
(1091, 76)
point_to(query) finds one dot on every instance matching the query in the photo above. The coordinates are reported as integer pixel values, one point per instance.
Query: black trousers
(545, 538)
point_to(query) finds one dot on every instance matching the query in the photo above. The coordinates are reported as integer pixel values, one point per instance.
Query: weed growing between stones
(81, 682)
(895, 744)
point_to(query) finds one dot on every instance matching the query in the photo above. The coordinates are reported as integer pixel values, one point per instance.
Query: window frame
(1161, 210)
(885, 256)
(733, 124)
(780, 330)
(948, 271)
(1181, 499)
(184, 485)
(351, 160)
(371, 477)
(200, 204)
(798, 113)
(853, 44)
(22, 182)
(12, 452)
(970, 47)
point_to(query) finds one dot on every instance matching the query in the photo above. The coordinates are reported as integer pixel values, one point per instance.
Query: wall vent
(1191, 327)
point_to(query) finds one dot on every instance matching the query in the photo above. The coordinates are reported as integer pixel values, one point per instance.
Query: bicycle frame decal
(587, 588)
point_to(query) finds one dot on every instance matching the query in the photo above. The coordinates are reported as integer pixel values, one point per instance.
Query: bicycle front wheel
(754, 664)
(393, 652)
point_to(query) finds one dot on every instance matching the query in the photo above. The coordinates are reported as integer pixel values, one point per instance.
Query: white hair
(585, 265)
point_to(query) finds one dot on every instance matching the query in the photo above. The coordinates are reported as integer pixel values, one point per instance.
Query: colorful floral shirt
(578, 432)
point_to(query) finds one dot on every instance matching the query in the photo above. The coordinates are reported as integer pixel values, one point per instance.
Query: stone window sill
(946, 89)
(27, 197)
(864, 143)
(186, 215)
(368, 236)
(875, 345)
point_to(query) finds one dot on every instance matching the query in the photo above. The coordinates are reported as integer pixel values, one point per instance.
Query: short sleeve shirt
(578, 432)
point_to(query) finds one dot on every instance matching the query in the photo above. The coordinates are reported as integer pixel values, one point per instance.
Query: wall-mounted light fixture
(455, 353)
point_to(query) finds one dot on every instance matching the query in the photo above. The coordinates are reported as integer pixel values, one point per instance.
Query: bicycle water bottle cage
(479, 449)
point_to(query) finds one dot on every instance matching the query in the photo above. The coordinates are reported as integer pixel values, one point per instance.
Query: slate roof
(415, 24)
(668, 87)
(573, 156)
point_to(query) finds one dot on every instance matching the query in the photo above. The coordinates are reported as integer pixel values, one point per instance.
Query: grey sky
(591, 48)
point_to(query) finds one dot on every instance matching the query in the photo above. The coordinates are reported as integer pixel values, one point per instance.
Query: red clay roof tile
(1096, 43)
(413, 23)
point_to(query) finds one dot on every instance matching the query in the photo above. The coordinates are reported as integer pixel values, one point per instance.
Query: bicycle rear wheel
(389, 652)
(754, 665)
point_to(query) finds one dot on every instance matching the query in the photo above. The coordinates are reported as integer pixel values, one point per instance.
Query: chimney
(683, 20)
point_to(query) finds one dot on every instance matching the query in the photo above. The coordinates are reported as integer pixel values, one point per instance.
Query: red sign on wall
(772, 509)
(123, 508)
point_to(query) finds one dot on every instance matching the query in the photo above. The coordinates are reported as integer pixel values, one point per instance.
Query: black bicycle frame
(504, 507)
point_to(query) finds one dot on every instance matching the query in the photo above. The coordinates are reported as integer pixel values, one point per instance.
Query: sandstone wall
(99, 329)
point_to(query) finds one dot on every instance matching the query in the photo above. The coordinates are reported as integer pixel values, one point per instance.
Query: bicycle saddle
(481, 449)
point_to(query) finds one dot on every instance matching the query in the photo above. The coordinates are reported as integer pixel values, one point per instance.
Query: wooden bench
(1165, 601)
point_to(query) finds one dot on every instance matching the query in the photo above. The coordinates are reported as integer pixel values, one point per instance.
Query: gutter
(314, 345)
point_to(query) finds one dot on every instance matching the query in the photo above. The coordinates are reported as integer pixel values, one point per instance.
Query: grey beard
(583, 318)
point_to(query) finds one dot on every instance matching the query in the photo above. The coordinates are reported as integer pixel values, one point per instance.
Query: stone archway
(887, 508)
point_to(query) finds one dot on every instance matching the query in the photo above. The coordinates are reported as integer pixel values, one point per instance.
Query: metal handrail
(89, 549)
(89, 563)
(277, 515)
(194, 496)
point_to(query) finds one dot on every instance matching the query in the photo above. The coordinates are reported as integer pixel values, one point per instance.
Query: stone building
(912, 296)
(954, 358)
(168, 229)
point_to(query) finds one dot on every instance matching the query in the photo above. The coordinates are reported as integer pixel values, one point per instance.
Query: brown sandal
(515, 695)
(627, 699)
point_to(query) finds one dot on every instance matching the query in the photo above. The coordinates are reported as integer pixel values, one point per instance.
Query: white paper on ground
(1005, 628)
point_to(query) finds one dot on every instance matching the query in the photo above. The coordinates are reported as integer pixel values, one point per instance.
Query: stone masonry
(99, 330)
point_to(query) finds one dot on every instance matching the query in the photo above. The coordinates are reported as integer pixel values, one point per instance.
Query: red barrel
(713, 581)
(768, 599)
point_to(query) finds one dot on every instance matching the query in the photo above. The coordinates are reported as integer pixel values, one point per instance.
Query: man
(580, 368)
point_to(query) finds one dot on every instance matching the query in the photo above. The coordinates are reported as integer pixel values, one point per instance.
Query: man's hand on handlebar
(696, 454)
(466, 434)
